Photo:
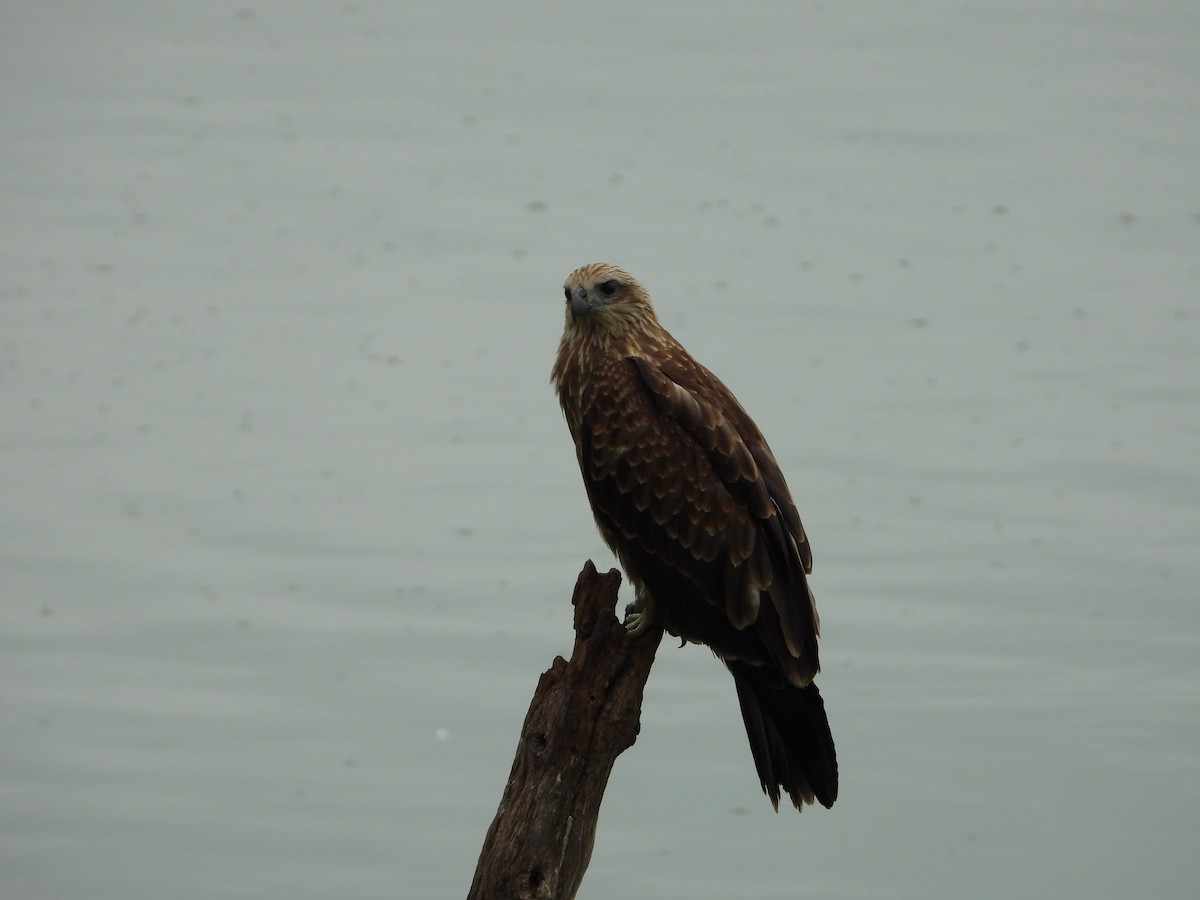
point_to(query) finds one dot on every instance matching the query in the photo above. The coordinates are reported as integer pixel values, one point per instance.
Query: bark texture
(583, 715)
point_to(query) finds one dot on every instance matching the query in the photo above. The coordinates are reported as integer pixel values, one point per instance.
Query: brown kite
(690, 498)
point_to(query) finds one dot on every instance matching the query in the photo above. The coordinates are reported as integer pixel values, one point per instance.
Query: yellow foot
(637, 621)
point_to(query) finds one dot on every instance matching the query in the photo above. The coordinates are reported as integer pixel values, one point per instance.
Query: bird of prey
(688, 495)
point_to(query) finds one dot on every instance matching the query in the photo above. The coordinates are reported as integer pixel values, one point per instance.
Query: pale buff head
(603, 300)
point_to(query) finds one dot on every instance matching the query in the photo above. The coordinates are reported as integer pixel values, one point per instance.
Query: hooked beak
(580, 304)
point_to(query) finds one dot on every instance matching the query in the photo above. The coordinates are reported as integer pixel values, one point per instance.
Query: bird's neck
(584, 351)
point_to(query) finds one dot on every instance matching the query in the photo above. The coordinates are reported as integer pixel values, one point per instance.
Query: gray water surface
(290, 519)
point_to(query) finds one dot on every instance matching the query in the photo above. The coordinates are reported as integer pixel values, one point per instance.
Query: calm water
(290, 520)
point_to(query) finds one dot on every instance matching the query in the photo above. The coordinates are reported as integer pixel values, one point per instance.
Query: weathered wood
(584, 713)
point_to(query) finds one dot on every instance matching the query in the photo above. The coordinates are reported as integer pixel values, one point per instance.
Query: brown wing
(687, 493)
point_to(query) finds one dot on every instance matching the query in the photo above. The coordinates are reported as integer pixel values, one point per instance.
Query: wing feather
(677, 470)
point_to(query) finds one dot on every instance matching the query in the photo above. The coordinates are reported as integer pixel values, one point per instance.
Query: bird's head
(605, 299)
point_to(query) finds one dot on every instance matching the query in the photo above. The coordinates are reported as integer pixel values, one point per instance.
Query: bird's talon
(637, 623)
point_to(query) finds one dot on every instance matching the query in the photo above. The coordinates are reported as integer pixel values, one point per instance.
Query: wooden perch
(584, 713)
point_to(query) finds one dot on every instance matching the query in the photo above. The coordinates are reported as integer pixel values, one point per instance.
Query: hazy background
(289, 519)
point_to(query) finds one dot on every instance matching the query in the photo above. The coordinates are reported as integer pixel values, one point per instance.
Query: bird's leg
(639, 615)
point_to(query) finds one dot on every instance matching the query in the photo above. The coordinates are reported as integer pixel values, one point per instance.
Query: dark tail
(789, 736)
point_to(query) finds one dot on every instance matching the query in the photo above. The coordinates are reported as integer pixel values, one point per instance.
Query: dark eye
(567, 293)
(608, 288)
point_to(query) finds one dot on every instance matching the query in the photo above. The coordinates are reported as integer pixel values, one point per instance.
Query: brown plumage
(688, 495)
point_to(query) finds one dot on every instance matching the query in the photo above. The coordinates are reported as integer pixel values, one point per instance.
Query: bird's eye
(607, 288)
(567, 293)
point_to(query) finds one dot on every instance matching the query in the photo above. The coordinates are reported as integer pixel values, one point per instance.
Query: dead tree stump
(583, 715)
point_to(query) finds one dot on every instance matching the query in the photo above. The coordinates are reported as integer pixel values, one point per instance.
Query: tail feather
(789, 736)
